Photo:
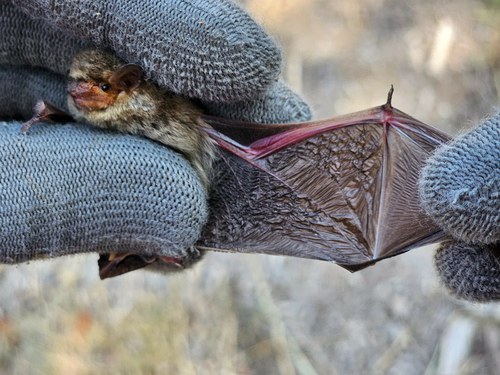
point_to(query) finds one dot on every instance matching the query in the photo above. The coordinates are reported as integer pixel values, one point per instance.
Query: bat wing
(342, 190)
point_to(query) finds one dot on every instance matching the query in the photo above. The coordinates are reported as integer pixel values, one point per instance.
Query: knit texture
(470, 272)
(22, 87)
(278, 105)
(206, 49)
(24, 41)
(68, 188)
(460, 185)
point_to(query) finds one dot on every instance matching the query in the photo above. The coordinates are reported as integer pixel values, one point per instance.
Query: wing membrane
(342, 190)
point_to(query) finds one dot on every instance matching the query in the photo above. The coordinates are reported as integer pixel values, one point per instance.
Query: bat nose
(79, 89)
(72, 88)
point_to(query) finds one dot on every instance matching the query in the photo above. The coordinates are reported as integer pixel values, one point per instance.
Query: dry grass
(240, 314)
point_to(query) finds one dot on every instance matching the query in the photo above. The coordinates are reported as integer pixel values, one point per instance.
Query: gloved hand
(67, 189)
(460, 189)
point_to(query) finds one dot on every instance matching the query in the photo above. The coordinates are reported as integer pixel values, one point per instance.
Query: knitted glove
(460, 189)
(67, 189)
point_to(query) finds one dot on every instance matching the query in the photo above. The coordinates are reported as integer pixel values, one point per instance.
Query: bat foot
(115, 264)
(44, 112)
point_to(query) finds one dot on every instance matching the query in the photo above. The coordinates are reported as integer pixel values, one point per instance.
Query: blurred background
(251, 314)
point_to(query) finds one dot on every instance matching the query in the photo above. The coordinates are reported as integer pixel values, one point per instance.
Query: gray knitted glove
(69, 188)
(460, 189)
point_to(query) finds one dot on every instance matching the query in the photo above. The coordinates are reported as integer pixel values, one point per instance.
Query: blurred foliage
(495, 4)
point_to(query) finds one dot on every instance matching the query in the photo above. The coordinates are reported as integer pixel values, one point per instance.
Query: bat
(342, 190)
(107, 93)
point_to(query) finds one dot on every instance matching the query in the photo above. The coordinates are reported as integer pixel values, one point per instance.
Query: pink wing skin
(342, 190)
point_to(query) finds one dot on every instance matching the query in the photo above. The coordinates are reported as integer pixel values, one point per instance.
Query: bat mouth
(87, 104)
(88, 97)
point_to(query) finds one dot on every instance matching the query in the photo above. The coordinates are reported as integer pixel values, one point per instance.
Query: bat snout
(88, 96)
(72, 88)
(79, 89)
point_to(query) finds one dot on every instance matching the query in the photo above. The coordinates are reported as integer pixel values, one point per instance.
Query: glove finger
(470, 272)
(278, 105)
(30, 84)
(207, 49)
(68, 189)
(460, 185)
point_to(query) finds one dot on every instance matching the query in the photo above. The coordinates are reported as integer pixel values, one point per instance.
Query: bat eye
(105, 87)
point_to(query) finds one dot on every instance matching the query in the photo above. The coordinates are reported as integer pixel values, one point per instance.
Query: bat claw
(176, 262)
(388, 103)
(24, 129)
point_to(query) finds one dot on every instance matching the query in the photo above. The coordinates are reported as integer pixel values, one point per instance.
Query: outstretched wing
(342, 190)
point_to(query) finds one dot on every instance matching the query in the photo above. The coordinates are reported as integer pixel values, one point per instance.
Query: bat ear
(127, 77)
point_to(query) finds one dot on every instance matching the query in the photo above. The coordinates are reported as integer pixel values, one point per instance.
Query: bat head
(98, 80)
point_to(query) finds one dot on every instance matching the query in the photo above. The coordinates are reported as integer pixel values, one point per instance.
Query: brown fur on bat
(342, 190)
(109, 94)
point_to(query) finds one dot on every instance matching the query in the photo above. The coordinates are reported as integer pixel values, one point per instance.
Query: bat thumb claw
(388, 103)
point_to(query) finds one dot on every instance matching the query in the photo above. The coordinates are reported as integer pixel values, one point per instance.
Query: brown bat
(107, 93)
(342, 190)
